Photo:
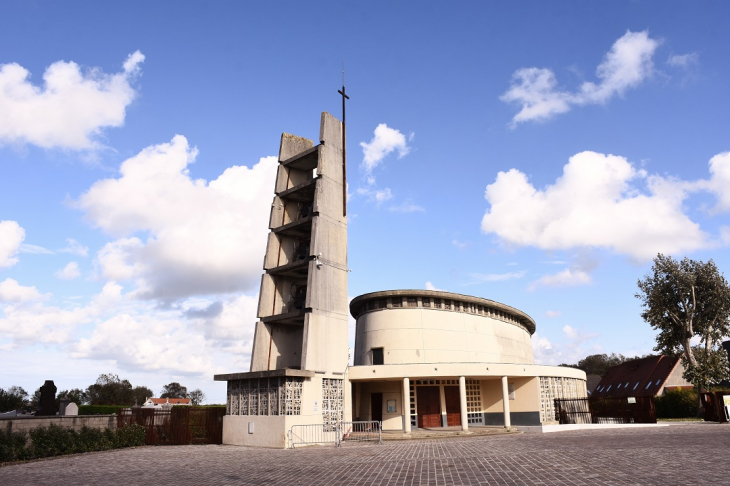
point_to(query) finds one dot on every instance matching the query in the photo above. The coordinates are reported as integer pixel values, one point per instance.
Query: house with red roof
(165, 403)
(645, 377)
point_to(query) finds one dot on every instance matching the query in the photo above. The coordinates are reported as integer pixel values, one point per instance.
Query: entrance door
(376, 406)
(428, 403)
(453, 405)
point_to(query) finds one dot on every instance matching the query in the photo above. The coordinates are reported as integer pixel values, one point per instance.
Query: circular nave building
(427, 358)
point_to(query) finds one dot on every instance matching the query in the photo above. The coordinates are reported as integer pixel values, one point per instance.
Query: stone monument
(48, 399)
(300, 351)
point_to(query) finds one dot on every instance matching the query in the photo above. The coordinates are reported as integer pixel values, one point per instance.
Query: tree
(197, 396)
(141, 394)
(110, 390)
(14, 398)
(685, 300)
(174, 390)
(79, 397)
(598, 364)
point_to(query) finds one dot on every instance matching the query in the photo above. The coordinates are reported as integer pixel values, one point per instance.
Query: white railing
(335, 434)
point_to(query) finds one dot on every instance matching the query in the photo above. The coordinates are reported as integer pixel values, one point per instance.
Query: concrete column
(505, 402)
(442, 398)
(358, 400)
(462, 404)
(406, 405)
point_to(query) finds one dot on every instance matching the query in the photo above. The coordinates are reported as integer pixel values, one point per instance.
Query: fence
(176, 426)
(637, 410)
(335, 434)
(713, 406)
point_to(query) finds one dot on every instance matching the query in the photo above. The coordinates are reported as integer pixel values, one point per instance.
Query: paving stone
(682, 454)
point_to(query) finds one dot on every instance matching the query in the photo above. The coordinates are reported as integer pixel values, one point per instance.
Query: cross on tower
(344, 146)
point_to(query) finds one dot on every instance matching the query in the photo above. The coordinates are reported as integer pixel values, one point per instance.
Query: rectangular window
(511, 390)
(377, 356)
(412, 301)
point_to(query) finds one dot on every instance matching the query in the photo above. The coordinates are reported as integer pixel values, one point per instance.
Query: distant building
(165, 403)
(645, 377)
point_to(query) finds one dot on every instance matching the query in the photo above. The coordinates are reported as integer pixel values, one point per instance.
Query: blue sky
(535, 154)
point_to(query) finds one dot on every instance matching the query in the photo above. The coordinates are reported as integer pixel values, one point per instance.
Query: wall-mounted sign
(391, 406)
(316, 405)
(631, 399)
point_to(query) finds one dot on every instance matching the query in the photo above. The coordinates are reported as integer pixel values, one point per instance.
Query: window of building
(511, 390)
(377, 356)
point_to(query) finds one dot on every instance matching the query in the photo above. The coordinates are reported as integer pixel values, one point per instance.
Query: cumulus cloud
(385, 141)
(71, 108)
(12, 291)
(11, 237)
(32, 323)
(179, 236)
(600, 201)
(377, 195)
(430, 286)
(75, 248)
(69, 272)
(625, 66)
(566, 278)
(573, 345)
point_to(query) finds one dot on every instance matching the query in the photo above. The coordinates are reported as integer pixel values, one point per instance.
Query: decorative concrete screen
(332, 403)
(265, 396)
(557, 387)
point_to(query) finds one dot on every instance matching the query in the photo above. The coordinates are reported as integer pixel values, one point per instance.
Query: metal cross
(344, 151)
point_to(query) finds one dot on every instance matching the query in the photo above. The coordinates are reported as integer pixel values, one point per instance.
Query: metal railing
(312, 434)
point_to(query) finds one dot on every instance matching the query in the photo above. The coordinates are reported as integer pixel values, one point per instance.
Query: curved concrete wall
(422, 335)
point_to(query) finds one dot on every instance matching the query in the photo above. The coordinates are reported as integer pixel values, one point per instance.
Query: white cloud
(71, 108)
(75, 248)
(69, 272)
(719, 182)
(430, 286)
(567, 278)
(202, 237)
(11, 237)
(625, 66)
(461, 245)
(683, 60)
(479, 278)
(378, 196)
(12, 291)
(35, 249)
(407, 207)
(552, 313)
(385, 141)
(598, 202)
(573, 347)
(33, 323)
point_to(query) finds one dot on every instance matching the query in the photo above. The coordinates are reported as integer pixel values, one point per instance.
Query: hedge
(676, 404)
(100, 409)
(55, 440)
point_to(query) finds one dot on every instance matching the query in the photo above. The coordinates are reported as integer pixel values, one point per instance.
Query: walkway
(679, 454)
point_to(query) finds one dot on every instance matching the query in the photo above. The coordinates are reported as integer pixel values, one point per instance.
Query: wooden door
(453, 406)
(428, 403)
(376, 406)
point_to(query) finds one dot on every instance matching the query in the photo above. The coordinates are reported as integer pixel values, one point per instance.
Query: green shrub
(676, 404)
(130, 436)
(100, 409)
(13, 446)
(96, 439)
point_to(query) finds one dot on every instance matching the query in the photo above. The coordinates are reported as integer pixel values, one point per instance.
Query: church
(423, 359)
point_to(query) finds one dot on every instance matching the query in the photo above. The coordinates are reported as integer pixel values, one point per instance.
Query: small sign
(391, 406)
(631, 399)
(316, 405)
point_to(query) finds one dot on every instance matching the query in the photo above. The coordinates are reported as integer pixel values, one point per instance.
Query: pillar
(462, 404)
(406, 405)
(505, 402)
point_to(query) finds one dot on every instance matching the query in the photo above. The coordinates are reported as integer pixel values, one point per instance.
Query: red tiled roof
(637, 378)
(174, 401)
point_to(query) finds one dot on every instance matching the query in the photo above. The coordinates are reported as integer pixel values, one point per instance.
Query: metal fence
(635, 410)
(176, 426)
(311, 434)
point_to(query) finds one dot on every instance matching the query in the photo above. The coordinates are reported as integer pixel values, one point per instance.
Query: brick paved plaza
(679, 454)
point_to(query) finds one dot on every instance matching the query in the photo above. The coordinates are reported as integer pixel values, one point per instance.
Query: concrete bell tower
(300, 349)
